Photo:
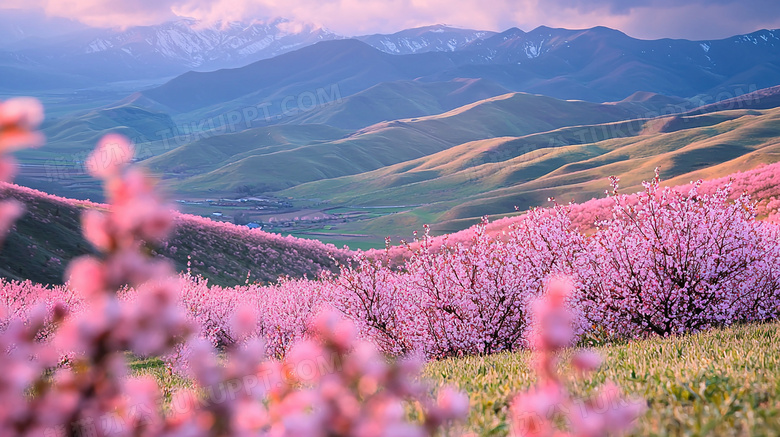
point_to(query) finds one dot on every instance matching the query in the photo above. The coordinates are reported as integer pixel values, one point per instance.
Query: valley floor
(721, 382)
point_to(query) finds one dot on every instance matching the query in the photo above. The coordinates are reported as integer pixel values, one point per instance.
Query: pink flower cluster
(19, 119)
(465, 298)
(534, 413)
(668, 261)
(19, 299)
(93, 388)
(283, 311)
(329, 385)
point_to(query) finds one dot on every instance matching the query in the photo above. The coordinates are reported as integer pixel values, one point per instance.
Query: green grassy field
(723, 382)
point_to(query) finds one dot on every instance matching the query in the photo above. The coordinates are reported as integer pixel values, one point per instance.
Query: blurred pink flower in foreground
(19, 119)
(533, 413)
(331, 385)
(111, 154)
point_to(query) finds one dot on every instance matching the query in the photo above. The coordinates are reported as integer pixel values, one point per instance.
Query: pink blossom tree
(474, 297)
(373, 295)
(672, 262)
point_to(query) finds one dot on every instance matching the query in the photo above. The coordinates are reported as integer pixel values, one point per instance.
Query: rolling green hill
(449, 168)
(399, 100)
(214, 152)
(244, 159)
(58, 167)
(70, 134)
(493, 176)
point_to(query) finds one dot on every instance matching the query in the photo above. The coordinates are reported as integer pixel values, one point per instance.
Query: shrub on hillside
(373, 296)
(474, 297)
(675, 262)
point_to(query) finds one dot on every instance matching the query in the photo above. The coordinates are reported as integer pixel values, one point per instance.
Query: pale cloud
(100, 13)
(696, 19)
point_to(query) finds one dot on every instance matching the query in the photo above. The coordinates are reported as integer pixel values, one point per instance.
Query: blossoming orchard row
(667, 262)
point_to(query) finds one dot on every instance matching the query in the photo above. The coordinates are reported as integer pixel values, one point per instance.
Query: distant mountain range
(592, 63)
(596, 64)
(179, 46)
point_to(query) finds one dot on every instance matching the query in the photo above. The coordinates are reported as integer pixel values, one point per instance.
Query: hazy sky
(693, 19)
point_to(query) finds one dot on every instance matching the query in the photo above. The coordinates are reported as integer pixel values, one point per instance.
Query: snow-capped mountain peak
(436, 38)
(195, 45)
